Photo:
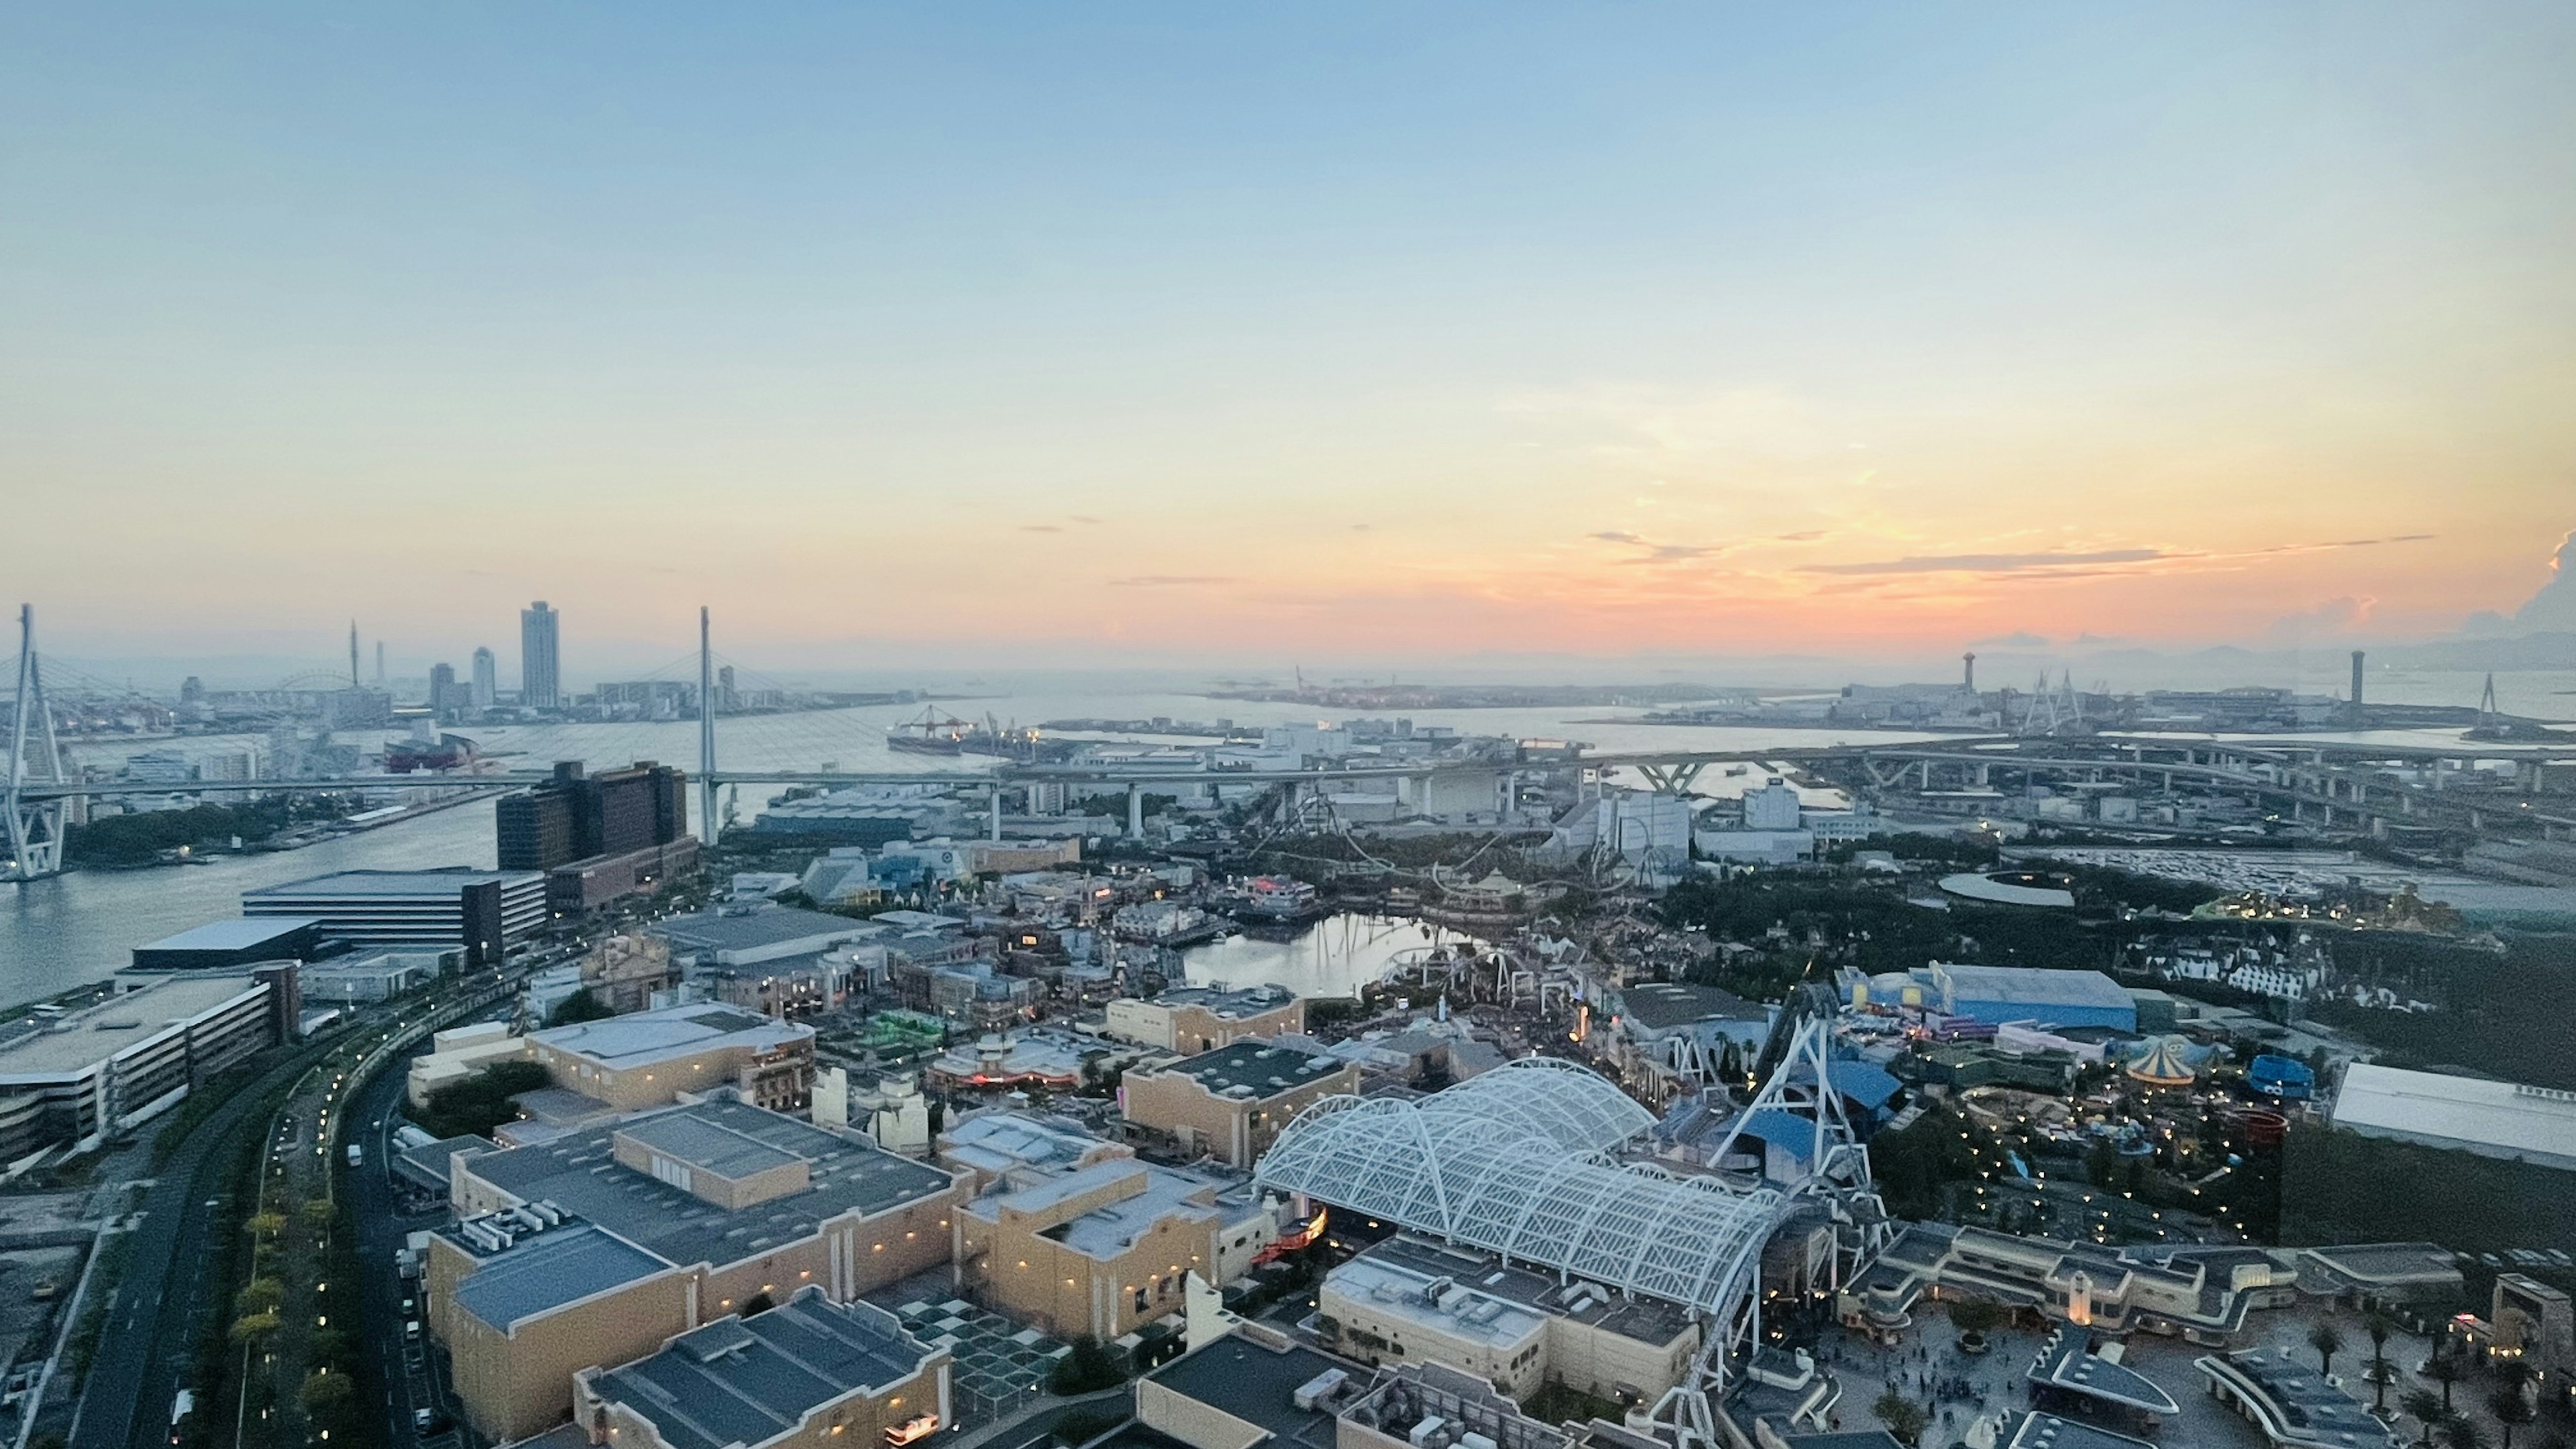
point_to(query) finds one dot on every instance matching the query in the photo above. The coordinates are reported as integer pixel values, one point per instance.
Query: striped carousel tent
(2163, 1063)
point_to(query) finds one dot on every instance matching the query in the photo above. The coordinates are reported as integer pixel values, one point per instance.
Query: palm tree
(2327, 1340)
(2510, 1409)
(2424, 1407)
(2379, 1326)
(2459, 1431)
(2445, 1370)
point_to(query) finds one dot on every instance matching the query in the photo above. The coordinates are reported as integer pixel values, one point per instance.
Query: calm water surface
(59, 933)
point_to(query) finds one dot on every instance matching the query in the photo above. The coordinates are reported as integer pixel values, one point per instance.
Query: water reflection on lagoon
(1334, 957)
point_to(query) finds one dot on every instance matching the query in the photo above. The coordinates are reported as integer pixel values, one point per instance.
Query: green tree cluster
(1087, 1365)
(1912, 1165)
(582, 1005)
(136, 839)
(481, 1102)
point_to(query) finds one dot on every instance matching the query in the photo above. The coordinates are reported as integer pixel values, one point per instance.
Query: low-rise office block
(1409, 1299)
(1231, 1103)
(1193, 1019)
(650, 1058)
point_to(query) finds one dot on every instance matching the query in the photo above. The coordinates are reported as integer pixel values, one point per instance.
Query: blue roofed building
(1867, 1091)
(1999, 994)
(2286, 1078)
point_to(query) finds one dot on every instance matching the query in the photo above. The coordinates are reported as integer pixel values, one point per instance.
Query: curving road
(148, 1344)
(150, 1337)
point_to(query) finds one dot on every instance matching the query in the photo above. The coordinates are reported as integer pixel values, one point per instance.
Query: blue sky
(1376, 326)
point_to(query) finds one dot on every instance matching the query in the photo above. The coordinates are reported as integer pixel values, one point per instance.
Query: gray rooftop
(1263, 1068)
(1396, 1290)
(1647, 1320)
(236, 935)
(2379, 1264)
(83, 1038)
(769, 926)
(996, 1141)
(1661, 1005)
(710, 1146)
(579, 1172)
(644, 1037)
(1233, 1001)
(375, 884)
(2319, 1412)
(2036, 986)
(746, 1381)
(1105, 1232)
(428, 1165)
(2047, 1431)
(2067, 1361)
(539, 1274)
(1258, 1384)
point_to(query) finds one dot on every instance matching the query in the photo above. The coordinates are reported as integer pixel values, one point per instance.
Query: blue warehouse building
(2000, 994)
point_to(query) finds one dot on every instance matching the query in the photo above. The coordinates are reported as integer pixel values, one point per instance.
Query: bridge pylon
(35, 758)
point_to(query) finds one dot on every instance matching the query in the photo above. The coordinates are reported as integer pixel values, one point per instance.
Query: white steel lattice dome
(1511, 1161)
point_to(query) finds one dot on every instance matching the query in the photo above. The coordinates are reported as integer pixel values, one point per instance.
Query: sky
(1328, 332)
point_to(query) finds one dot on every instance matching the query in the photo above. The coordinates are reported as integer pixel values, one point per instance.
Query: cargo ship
(935, 733)
(932, 734)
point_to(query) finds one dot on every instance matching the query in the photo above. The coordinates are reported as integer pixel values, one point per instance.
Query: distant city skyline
(1209, 338)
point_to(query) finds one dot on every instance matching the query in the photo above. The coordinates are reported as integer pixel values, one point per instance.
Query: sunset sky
(1331, 332)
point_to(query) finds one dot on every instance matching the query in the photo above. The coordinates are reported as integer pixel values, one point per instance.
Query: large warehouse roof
(2036, 986)
(1508, 1161)
(2496, 1119)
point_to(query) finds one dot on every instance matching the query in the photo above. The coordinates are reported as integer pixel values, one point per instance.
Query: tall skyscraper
(487, 679)
(444, 700)
(540, 685)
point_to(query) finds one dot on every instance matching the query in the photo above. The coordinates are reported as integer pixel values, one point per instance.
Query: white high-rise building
(1773, 807)
(487, 679)
(540, 685)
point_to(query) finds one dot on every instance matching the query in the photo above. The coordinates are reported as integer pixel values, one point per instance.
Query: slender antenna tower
(35, 830)
(353, 654)
(706, 734)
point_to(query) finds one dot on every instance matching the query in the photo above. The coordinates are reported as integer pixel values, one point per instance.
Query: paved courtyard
(1994, 1380)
